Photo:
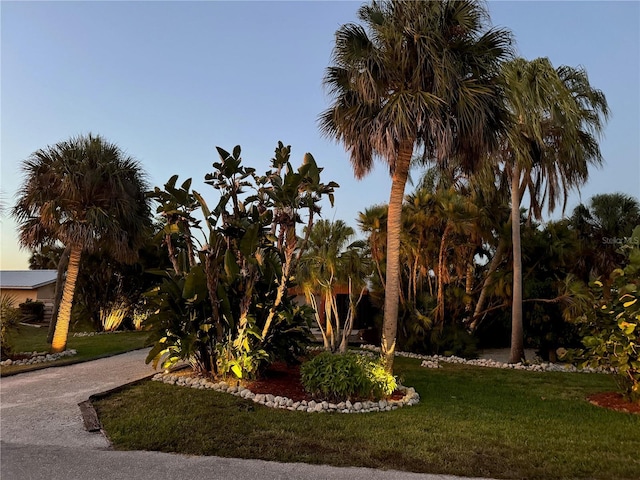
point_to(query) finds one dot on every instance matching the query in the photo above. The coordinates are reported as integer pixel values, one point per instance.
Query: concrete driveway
(42, 435)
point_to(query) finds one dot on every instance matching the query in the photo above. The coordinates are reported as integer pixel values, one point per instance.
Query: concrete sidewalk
(42, 435)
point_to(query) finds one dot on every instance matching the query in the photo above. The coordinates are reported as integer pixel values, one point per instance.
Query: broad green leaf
(231, 267)
(195, 284)
(236, 370)
(222, 153)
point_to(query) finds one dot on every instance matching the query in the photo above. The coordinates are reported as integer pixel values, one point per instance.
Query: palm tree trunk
(468, 286)
(482, 299)
(62, 267)
(441, 268)
(64, 314)
(328, 322)
(517, 334)
(394, 228)
(311, 298)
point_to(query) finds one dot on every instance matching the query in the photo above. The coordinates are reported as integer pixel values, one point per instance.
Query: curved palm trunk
(441, 272)
(394, 228)
(482, 299)
(517, 334)
(62, 267)
(64, 314)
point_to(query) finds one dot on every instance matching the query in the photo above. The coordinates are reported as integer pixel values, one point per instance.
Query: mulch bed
(282, 380)
(614, 401)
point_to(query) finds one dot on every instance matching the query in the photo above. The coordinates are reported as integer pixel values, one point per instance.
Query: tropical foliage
(611, 324)
(226, 307)
(551, 140)
(346, 376)
(9, 317)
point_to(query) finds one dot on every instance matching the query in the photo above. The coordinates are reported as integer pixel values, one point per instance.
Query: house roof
(27, 279)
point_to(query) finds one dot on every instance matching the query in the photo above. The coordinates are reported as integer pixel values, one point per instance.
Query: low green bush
(346, 376)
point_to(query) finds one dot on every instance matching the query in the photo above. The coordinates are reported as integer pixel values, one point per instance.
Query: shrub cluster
(346, 376)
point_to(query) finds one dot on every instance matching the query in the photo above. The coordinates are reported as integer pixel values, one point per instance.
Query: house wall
(43, 294)
(47, 293)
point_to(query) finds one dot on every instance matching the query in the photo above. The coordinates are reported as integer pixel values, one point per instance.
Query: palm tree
(330, 261)
(373, 223)
(417, 75)
(602, 226)
(547, 149)
(86, 194)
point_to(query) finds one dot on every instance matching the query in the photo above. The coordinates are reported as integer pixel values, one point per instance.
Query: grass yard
(470, 421)
(30, 339)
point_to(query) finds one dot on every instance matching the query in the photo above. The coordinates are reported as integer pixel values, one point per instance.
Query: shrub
(32, 311)
(346, 376)
(111, 317)
(9, 317)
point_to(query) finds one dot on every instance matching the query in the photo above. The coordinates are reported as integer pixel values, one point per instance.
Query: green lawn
(30, 339)
(471, 421)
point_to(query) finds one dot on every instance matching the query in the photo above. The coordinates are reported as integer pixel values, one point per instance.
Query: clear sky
(169, 81)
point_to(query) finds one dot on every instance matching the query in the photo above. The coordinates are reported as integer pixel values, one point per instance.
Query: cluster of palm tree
(433, 79)
(456, 259)
(330, 264)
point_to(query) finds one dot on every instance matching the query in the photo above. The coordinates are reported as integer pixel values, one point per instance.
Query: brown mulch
(614, 401)
(282, 380)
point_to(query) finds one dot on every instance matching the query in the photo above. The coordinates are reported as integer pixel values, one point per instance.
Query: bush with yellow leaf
(612, 327)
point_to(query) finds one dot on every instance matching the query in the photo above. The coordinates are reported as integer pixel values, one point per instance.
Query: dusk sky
(169, 81)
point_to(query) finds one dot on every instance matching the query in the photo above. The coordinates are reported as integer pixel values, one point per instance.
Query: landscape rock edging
(39, 357)
(433, 361)
(411, 397)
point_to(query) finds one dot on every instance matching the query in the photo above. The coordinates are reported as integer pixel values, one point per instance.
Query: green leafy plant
(612, 327)
(225, 307)
(9, 317)
(346, 376)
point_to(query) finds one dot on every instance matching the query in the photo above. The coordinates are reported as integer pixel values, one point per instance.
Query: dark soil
(283, 380)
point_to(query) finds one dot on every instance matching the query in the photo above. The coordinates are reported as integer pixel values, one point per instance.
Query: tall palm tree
(548, 148)
(86, 194)
(416, 75)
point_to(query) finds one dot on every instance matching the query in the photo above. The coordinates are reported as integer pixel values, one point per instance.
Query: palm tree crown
(83, 191)
(416, 72)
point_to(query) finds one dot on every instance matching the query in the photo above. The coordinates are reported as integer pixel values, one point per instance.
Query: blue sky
(169, 81)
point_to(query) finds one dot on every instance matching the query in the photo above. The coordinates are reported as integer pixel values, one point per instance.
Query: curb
(87, 410)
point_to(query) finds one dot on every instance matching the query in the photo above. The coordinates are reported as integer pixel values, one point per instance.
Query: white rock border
(93, 334)
(433, 361)
(411, 397)
(39, 357)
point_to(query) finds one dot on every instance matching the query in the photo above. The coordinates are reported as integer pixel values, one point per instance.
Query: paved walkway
(42, 435)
